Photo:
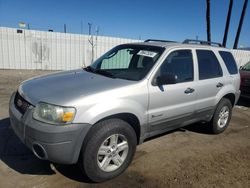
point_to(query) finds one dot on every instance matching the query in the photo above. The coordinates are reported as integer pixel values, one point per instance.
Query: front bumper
(59, 144)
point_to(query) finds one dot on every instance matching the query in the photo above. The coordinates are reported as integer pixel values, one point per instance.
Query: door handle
(219, 85)
(189, 90)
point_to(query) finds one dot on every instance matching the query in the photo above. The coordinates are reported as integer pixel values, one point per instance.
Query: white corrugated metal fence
(50, 50)
(60, 51)
(241, 56)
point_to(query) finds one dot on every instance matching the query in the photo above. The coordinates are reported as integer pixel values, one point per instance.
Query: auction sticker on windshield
(147, 53)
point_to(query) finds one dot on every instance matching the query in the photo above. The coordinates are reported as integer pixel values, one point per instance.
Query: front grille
(21, 104)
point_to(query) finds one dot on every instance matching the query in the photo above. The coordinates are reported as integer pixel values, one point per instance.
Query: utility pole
(208, 22)
(90, 27)
(240, 25)
(65, 29)
(91, 41)
(227, 23)
(97, 33)
(81, 26)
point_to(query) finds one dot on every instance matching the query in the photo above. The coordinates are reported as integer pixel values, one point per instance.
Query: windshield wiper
(89, 69)
(104, 73)
(99, 71)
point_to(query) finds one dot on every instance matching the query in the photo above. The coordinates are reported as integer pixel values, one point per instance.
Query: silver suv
(97, 115)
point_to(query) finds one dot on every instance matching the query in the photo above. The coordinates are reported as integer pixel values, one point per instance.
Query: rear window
(229, 62)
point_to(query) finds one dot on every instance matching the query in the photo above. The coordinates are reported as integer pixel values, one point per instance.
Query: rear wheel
(109, 149)
(222, 116)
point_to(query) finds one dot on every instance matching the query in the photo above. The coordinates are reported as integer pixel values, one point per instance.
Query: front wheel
(222, 116)
(108, 150)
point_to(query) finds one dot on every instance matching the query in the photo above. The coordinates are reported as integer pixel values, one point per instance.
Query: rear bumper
(60, 144)
(245, 96)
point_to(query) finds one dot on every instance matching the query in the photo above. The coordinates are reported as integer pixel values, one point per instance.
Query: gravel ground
(188, 157)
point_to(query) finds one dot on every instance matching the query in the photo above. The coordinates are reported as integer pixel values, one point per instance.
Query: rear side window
(229, 62)
(209, 66)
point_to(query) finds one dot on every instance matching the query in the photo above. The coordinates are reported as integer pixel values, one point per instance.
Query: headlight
(53, 114)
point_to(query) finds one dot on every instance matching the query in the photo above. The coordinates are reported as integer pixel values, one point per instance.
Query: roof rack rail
(202, 42)
(157, 40)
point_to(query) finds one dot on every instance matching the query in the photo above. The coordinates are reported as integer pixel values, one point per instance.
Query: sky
(138, 19)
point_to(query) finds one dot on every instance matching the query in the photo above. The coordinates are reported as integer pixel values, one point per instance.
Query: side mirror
(241, 67)
(166, 79)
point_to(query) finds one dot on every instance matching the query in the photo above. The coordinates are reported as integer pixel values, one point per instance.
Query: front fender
(106, 108)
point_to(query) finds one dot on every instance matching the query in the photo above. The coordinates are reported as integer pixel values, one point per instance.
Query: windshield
(246, 67)
(130, 62)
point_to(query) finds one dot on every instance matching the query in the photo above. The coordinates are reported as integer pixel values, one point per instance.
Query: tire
(217, 124)
(102, 134)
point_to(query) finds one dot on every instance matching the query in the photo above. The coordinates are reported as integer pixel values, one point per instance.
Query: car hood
(60, 88)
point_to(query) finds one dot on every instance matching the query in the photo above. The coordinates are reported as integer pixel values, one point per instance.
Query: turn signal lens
(68, 116)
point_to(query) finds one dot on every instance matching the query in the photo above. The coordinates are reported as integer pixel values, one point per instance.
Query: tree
(208, 21)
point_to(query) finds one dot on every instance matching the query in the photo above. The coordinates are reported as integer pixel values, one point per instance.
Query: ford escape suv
(97, 115)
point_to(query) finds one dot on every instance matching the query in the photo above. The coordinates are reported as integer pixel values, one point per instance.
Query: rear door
(210, 81)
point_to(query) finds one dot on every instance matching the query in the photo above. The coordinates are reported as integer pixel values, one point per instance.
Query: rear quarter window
(229, 62)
